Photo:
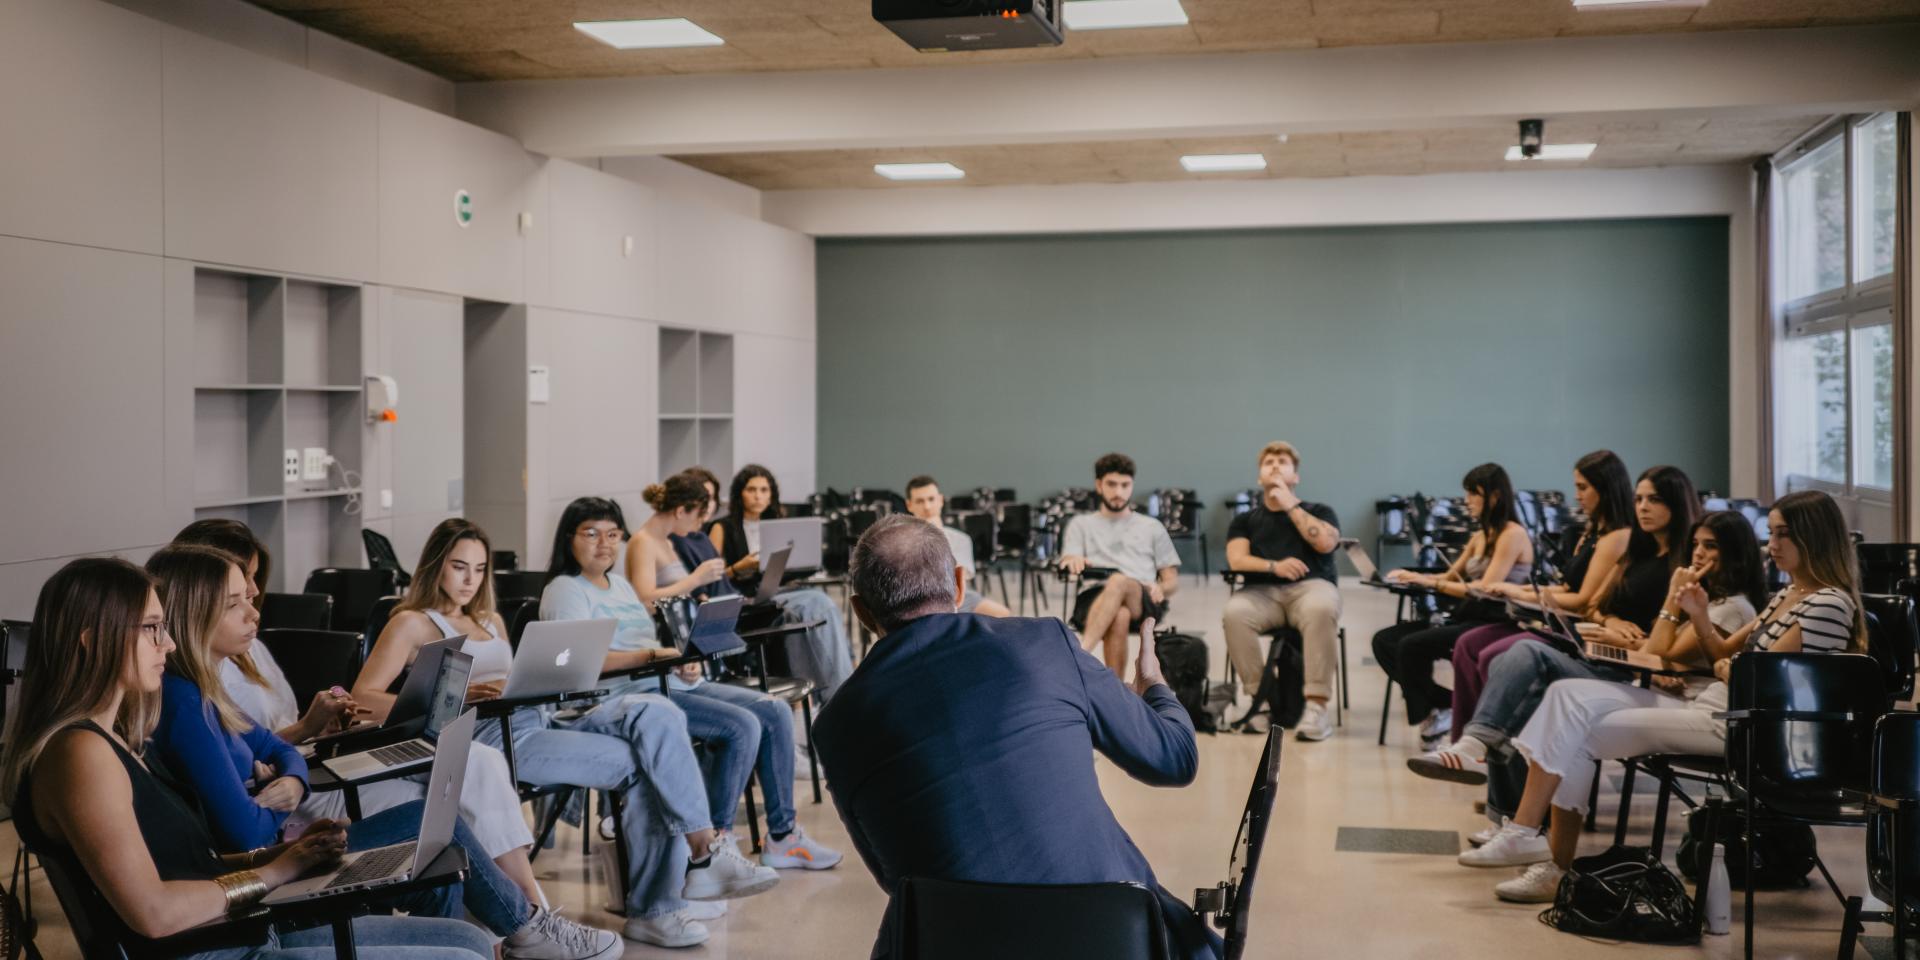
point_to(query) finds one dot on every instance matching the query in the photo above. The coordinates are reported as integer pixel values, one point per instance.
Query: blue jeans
(636, 745)
(757, 731)
(377, 938)
(488, 894)
(1518, 679)
(822, 654)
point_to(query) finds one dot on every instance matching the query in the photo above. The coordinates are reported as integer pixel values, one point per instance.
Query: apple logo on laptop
(446, 789)
(565, 655)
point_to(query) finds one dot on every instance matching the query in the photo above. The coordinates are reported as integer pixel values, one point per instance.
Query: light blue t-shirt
(574, 598)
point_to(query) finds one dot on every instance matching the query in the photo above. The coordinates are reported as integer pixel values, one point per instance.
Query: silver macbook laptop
(803, 534)
(771, 571)
(559, 656)
(400, 862)
(448, 674)
(1362, 564)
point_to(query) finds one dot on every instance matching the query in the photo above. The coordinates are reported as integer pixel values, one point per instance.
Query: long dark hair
(1816, 526)
(1489, 480)
(1739, 572)
(1607, 475)
(582, 510)
(1675, 491)
(733, 526)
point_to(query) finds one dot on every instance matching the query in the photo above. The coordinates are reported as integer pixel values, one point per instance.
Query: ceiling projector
(938, 26)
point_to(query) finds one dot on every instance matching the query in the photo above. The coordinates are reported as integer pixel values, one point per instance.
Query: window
(1833, 362)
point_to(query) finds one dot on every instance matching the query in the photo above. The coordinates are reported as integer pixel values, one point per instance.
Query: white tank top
(492, 655)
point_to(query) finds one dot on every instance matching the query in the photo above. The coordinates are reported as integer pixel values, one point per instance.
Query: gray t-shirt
(962, 547)
(1132, 543)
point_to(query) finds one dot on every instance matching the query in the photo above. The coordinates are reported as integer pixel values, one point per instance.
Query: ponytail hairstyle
(1816, 525)
(86, 625)
(192, 581)
(424, 593)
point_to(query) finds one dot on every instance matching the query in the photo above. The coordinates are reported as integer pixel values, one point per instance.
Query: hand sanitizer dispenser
(383, 399)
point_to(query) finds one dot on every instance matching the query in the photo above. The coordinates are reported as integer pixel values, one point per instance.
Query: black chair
(954, 920)
(314, 660)
(1893, 639)
(505, 561)
(979, 528)
(353, 591)
(1888, 567)
(517, 612)
(1282, 636)
(519, 583)
(1893, 832)
(377, 624)
(13, 661)
(381, 556)
(1013, 540)
(296, 611)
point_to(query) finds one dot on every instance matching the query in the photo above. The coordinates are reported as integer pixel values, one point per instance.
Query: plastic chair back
(353, 591)
(296, 611)
(1797, 765)
(314, 660)
(1896, 774)
(1885, 567)
(381, 555)
(1892, 635)
(952, 920)
(377, 623)
(97, 929)
(978, 526)
(517, 612)
(1016, 528)
(519, 583)
(506, 560)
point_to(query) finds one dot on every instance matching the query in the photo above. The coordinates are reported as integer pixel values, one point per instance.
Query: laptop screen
(449, 692)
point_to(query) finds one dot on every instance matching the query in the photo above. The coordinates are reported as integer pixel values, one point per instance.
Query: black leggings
(1408, 651)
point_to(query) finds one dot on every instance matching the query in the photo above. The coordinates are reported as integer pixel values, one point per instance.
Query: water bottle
(1719, 911)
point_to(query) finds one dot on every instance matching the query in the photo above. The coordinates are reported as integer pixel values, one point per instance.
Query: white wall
(138, 149)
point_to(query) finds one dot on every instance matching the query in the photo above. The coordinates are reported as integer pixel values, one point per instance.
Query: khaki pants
(1311, 606)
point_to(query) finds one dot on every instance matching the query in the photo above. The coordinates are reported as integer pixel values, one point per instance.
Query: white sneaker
(549, 936)
(674, 929)
(1539, 883)
(1513, 846)
(1493, 830)
(705, 909)
(726, 875)
(1316, 723)
(1455, 764)
(1437, 723)
(797, 852)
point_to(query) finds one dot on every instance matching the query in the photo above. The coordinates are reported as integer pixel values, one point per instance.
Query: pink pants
(1473, 656)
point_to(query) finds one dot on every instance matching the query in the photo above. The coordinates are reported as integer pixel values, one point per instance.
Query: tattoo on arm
(1313, 531)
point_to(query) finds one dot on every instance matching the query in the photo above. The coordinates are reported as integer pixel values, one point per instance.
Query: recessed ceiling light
(1602, 4)
(1556, 151)
(1120, 14)
(919, 171)
(648, 34)
(1223, 162)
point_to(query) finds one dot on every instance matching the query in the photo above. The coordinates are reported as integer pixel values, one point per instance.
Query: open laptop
(559, 656)
(446, 678)
(771, 570)
(803, 534)
(400, 862)
(413, 691)
(1363, 564)
(713, 633)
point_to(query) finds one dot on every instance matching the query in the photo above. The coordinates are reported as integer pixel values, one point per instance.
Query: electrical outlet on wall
(290, 466)
(313, 463)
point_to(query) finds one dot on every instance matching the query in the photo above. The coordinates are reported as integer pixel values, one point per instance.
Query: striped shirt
(1825, 617)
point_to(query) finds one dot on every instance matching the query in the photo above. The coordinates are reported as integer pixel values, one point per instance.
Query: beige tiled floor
(1311, 902)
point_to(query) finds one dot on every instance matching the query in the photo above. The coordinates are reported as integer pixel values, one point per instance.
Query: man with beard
(1134, 545)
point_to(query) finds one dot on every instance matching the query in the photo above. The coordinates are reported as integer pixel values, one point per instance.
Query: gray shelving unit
(696, 401)
(277, 369)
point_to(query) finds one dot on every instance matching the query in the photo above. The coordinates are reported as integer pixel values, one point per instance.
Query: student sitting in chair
(822, 654)
(1135, 545)
(254, 683)
(1581, 721)
(634, 744)
(1284, 549)
(84, 793)
(925, 501)
(745, 729)
(249, 781)
(962, 749)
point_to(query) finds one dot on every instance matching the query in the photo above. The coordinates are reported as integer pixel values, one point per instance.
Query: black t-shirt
(1272, 536)
(1641, 591)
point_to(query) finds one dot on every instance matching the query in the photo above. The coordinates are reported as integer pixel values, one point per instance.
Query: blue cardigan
(217, 766)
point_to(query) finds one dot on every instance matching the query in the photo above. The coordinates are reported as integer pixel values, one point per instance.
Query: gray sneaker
(550, 936)
(727, 875)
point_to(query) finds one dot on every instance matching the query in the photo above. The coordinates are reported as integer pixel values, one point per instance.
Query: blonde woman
(82, 791)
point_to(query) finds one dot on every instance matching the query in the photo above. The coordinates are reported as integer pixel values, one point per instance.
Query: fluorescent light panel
(1556, 151)
(919, 171)
(1223, 162)
(1603, 4)
(648, 34)
(1121, 14)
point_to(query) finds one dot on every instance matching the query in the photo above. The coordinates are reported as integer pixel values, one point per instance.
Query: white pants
(1311, 606)
(488, 801)
(1581, 721)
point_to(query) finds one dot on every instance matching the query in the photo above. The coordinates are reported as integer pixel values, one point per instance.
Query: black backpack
(1183, 660)
(1625, 893)
(1786, 850)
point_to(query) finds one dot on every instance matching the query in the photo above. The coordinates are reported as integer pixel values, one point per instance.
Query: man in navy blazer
(962, 747)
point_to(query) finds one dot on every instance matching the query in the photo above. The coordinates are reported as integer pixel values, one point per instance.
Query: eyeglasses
(155, 633)
(591, 535)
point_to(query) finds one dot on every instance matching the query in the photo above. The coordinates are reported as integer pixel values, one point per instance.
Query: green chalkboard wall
(1394, 357)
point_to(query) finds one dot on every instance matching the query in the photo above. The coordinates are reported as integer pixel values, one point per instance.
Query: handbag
(1624, 893)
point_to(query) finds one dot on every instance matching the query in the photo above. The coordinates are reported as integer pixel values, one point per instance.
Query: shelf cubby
(696, 401)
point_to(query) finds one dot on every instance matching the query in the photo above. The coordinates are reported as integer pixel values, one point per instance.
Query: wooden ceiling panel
(513, 39)
(1677, 140)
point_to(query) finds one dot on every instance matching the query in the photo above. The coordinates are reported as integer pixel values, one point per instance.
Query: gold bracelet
(243, 888)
